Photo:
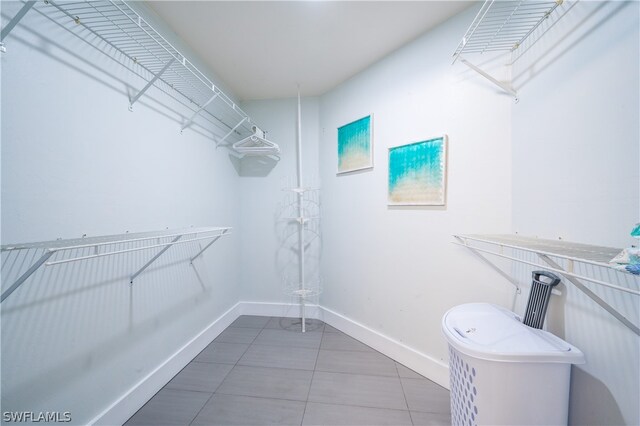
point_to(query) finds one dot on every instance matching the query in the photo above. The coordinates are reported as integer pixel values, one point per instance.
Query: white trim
(433, 369)
(131, 401)
(274, 309)
(419, 362)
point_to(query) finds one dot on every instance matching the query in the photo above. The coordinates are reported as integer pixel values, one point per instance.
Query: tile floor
(262, 370)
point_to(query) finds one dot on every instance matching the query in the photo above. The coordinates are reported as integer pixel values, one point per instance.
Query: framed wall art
(355, 145)
(417, 173)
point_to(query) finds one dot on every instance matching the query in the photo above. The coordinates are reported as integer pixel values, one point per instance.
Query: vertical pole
(301, 216)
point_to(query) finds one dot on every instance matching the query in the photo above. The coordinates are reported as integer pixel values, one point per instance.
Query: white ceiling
(263, 49)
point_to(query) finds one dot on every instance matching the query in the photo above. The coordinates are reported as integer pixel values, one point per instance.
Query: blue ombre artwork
(417, 173)
(355, 145)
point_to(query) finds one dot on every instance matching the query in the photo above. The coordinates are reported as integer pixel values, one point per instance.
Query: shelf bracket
(14, 21)
(207, 246)
(232, 130)
(580, 286)
(149, 84)
(26, 275)
(195, 114)
(508, 89)
(491, 264)
(153, 259)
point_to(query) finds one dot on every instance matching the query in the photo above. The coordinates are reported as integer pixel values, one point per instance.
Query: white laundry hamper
(503, 372)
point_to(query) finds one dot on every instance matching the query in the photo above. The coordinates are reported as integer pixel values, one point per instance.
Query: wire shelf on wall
(502, 26)
(552, 254)
(110, 245)
(119, 26)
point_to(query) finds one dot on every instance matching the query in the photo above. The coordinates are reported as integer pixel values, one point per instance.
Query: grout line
(315, 365)
(260, 397)
(226, 375)
(404, 394)
(189, 390)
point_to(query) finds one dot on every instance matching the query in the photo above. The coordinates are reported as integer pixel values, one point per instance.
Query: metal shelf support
(492, 265)
(507, 88)
(154, 258)
(26, 275)
(195, 114)
(580, 286)
(13, 22)
(206, 247)
(221, 141)
(149, 84)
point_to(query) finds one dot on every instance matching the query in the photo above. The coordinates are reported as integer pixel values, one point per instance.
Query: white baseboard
(127, 405)
(419, 362)
(290, 310)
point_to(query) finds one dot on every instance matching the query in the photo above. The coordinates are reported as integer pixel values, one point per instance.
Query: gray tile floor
(262, 370)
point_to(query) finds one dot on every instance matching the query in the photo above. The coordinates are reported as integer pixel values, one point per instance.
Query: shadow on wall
(602, 409)
(253, 166)
(542, 55)
(94, 59)
(72, 320)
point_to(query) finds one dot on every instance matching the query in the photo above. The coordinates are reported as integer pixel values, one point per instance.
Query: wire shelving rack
(115, 23)
(111, 245)
(560, 257)
(502, 26)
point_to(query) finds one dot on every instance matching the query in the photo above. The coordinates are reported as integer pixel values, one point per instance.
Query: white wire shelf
(104, 246)
(549, 250)
(502, 26)
(119, 26)
(585, 253)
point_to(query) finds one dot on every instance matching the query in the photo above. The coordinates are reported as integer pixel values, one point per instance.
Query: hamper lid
(486, 331)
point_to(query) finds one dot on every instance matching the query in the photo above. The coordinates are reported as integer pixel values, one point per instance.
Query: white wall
(563, 162)
(390, 269)
(267, 236)
(575, 177)
(75, 161)
(393, 269)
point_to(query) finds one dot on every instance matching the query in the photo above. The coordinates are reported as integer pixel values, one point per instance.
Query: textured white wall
(393, 269)
(575, 176)
(75, 161)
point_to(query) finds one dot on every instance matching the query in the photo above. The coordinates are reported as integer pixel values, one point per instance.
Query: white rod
(560, 271)
(301, 214)
(92, 256)
(490, 78)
